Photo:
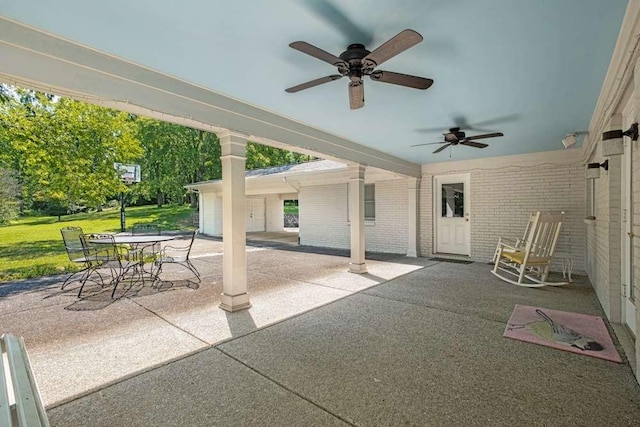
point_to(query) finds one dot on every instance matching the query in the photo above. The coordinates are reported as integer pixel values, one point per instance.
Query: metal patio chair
(107, 255)
(530, 262)
(149, 252)
(171, 254)
(76, 253)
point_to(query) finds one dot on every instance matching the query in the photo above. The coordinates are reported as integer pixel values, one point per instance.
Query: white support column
(412, 219)
(234, 258)
(356, 212)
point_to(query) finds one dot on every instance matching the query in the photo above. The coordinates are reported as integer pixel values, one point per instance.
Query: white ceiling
(532, 69)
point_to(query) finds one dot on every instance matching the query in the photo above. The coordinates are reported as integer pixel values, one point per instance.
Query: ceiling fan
(357, 61)
(455, 136)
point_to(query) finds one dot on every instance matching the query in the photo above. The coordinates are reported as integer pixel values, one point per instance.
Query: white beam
(234, 237)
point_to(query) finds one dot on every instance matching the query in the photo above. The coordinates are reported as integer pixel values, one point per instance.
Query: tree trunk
(193, 198)
(160, 199)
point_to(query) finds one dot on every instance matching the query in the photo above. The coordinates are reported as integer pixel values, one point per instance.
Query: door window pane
(453, 200)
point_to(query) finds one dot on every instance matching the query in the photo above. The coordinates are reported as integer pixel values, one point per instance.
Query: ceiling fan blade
(397, 44)
(356, 94)
(441, 148)
(313, 83)
(428, 143)
(461, 122)
(474, 144)
(487, 135)
(498, 120)
(429, 130)
(335, 17)
(318, 53)
(401, 79)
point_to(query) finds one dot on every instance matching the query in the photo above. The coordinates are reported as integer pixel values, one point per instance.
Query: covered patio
(290, 337)
(414, 341)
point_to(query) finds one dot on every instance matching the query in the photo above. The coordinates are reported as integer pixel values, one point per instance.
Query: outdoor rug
(577, 333)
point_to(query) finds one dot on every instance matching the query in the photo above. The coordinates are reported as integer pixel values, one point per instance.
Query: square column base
(357, 268)
(412, 254)
(233, 303)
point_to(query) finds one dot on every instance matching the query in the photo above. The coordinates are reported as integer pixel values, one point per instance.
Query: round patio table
(137, 241)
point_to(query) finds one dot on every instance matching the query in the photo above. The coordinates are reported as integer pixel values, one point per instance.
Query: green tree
(9, 193)
(64, 150)
(264, 156)
(174, 157)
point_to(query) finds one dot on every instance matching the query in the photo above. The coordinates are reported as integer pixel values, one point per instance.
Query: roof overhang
(292, 181)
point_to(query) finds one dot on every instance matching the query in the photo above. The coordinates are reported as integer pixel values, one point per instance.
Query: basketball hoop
(128, 173)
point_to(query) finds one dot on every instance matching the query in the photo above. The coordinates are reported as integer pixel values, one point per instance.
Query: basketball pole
(123, 218)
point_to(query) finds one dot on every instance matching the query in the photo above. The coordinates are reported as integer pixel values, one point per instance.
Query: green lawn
(291, 209)
(32, 247)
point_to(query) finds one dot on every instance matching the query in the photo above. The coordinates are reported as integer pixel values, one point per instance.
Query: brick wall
(505, 190)
(324, 217)
(210, 213)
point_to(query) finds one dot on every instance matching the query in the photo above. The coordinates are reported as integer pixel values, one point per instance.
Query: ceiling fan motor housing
(454, 136)
(353, 56)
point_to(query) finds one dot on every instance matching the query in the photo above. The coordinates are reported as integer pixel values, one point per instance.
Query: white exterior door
(255, 211)
(626, 261)
(452, 226)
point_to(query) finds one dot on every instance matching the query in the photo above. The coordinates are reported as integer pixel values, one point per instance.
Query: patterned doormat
(577, 333)
(455, 261)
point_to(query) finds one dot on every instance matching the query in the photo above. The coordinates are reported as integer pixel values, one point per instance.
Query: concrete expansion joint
(284, 387)
(169, 322)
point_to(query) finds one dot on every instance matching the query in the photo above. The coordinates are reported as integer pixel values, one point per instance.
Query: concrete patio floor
(414, 342)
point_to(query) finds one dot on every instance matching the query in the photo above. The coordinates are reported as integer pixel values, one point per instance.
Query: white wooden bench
(20, 402)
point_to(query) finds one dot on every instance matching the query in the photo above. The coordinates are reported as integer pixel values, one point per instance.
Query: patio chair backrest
(72, 242)
(193, 237)
(146, 229)
(102, 252)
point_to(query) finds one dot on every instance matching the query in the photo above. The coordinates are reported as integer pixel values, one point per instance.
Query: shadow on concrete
(240, 323)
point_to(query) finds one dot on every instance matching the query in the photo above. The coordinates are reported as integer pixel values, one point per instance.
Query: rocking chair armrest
(513, 242)
(506, 246)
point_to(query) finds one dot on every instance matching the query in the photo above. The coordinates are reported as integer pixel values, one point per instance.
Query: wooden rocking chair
(518, 243)
(528, 265)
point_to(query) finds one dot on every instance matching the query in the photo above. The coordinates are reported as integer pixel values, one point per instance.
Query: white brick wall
(324, 217)
(210, 214)
(603, 254)
(322, 213)
(503, 194)
(274, 211)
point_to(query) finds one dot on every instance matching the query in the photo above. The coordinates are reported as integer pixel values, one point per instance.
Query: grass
(32, 247)
(290, 209)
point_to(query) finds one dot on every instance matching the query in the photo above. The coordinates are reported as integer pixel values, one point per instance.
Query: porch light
(569, 140)
(612, 140)
(593, 169)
